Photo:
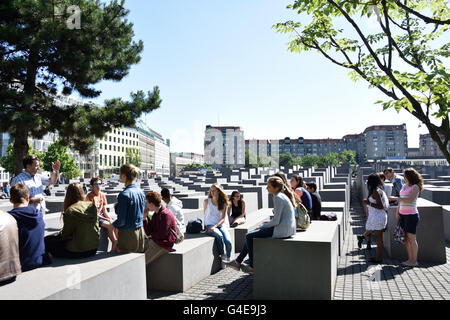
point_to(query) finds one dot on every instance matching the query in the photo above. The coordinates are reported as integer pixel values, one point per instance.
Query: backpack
(302, 218)
(194, 226)
(179, 234)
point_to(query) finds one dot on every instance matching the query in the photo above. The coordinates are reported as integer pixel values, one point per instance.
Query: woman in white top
(215, 209)
(377, 203)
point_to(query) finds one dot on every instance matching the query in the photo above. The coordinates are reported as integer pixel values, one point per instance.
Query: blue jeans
(222, 236)
(248, 245)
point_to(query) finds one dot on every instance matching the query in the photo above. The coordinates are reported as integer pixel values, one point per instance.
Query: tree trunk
(441, 143)
(20, 149)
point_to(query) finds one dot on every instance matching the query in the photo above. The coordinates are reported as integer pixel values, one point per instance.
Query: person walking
(281, 226)
(407, 213)
(216, 224)
(128, 226)
(377, 204)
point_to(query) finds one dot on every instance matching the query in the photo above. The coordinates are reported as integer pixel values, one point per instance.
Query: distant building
(413, 153)
(386, 142)
(429, 148)
(179, 160)
(224, 147)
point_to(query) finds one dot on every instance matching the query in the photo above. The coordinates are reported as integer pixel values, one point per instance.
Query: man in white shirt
(35, 182)
(174, 205)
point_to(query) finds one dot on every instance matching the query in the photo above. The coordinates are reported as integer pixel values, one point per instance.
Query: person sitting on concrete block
(298, 185)
(281, 226)
(161, 229)
(236, 210)
(216, 224)
(311, 187)
(174, 205)
(79, 236)
(9, 249)
(104, 220)
(31, 227)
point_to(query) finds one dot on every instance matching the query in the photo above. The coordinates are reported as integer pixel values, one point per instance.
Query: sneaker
(369, 246)
(247, 269)
(233, 264)
(234, 225)
(247, 261)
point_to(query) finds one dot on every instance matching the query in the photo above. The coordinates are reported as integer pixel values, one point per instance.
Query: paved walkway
(357, 279)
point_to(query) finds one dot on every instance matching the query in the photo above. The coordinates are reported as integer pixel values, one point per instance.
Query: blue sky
(221, 63)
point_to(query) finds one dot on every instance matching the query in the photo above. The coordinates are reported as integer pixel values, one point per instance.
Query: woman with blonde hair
(80, 233)
(128, 227)
(216, 224)
(281, 226)
(407, 212)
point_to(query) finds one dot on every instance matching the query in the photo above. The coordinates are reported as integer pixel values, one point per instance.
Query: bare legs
(111, 234)
(412, 247)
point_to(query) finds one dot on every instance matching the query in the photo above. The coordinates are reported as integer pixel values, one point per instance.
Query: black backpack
(194, 226)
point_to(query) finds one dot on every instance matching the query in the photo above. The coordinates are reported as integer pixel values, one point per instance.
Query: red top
(159, 228)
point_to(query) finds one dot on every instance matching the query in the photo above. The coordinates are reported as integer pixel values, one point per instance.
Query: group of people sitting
(404, 193)
(287, 196)
(146, 223)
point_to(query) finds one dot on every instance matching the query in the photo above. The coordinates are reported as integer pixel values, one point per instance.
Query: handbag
(399, 234)
(302, 219)
(194, 226)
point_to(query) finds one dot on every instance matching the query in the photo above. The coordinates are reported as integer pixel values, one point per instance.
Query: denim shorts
(409, 222)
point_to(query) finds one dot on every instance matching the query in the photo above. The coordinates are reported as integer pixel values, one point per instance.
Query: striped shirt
(34, 183)
(407, 208)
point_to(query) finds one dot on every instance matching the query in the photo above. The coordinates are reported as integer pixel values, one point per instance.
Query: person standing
(377, 204)
(397, 184)
(281, 226)
(7, 189)
(128, 227)
(215, 210)
(407, 213)
(33, 180)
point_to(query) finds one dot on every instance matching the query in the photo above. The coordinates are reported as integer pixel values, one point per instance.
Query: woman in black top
(237, 209)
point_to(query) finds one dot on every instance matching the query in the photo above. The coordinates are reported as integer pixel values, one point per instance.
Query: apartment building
(224, 147)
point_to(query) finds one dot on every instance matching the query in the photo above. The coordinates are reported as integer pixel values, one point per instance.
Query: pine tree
(48, 47)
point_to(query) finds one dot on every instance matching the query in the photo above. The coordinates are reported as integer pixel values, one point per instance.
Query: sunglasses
(97, 184)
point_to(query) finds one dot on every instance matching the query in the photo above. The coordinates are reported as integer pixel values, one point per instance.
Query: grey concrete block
(304, 267)
(102, 277)
(446, 218)
(437, 195)
(192, 261)
(430, 234)
(253, 220)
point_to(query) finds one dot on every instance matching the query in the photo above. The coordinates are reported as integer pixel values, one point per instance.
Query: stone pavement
(357, 279)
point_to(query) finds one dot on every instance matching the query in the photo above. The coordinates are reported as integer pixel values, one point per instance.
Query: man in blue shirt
(397, 183)
(33, 181)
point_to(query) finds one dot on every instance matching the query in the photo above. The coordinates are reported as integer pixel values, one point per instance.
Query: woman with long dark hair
(377, 203)
(236, 210)
(298, 185)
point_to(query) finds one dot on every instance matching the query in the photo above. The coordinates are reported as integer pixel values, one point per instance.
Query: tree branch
(421, 16)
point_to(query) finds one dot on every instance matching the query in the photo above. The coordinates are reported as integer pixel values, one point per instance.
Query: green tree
(41, 54)
(56, 151)
(405, 59)
(310, 161)
(133, 156)
(286, 160)
(348, 157)
(7, 162)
